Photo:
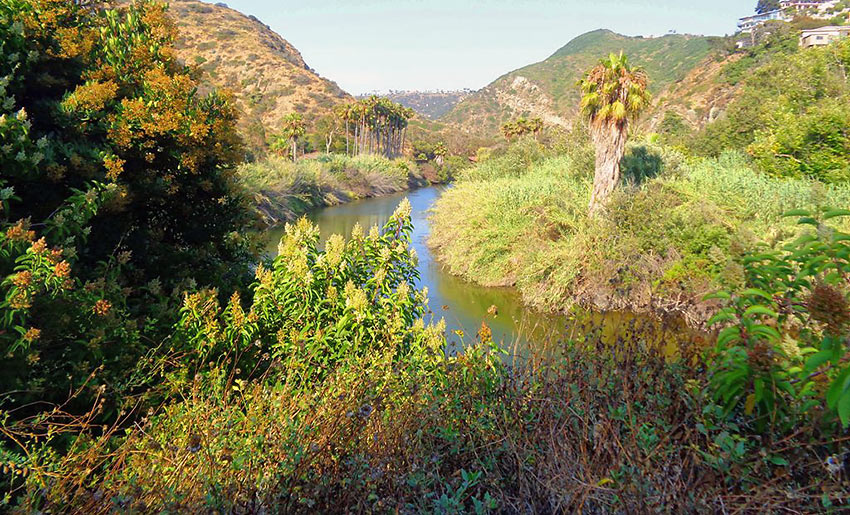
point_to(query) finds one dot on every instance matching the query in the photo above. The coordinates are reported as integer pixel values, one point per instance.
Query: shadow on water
(463, 305)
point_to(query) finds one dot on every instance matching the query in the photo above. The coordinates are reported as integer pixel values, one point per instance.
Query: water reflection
(464, 306)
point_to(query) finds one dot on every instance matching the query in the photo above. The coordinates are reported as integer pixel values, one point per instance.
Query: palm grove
(373, 125)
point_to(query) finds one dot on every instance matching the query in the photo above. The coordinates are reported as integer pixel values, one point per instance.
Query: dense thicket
(791, 113)
(118, 192)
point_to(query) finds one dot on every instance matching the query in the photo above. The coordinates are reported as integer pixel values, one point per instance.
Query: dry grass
(595, 427)
(267, 75)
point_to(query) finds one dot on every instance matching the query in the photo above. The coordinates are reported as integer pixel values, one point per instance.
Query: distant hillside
(430, 104)
(266, 73)
(701, 96)
(548, 89)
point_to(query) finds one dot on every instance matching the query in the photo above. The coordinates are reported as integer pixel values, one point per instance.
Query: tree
(613, 93)
(380, 125)
(521, 127)
(440, 152)
(292, 129)
(765, 6)
(118, 190)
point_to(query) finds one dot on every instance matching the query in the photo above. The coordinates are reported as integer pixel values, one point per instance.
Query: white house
(823, 35)
(748, 23)
(786, 12)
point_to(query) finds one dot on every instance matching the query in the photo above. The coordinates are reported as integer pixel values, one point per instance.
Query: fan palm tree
(440, 152)
(613, 94)
(291, 130)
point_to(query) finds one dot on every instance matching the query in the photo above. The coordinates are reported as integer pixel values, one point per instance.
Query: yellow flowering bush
(312, 309)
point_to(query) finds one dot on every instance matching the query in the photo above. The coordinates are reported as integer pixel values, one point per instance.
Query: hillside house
(787, 11)
(823, 36)
(748, 23)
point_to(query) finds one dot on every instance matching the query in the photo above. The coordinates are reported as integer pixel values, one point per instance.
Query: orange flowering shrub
(117, 193)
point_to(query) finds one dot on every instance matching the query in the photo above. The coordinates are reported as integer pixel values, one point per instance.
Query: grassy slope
(548, 89)
(267, 75)
(662, 246)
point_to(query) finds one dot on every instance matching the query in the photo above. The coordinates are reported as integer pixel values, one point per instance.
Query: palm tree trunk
(610, 143)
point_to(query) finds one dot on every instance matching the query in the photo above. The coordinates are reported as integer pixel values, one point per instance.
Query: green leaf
(778, 460)
(817, 360)
(723, 316)
(722, 295)
(797, 212)
(727, 336)
(832, 213)
(766, 331)
(760, 310)
(844, 409)
(808, 221)
(756, 292)
(836, 389)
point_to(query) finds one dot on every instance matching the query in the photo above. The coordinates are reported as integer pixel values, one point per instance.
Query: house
(792, 5)
(788, 9)
(823, 36)
(747, 24)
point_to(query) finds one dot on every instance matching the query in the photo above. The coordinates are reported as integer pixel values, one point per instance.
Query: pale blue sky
(378, 45)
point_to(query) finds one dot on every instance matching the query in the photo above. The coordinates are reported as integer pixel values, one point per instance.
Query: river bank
(282, 190)
(668, 239)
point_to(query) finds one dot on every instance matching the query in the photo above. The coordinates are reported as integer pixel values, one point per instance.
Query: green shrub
(781, 355)
(674, 236)
(790, 115)
(118, 181)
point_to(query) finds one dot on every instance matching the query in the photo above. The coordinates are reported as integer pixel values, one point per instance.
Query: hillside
(267, 75)
(430, 104)
(548, 89)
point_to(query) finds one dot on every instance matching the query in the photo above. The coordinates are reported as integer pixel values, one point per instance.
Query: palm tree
(613, 93)
(440, 152)
(345, 112)
(292, 129)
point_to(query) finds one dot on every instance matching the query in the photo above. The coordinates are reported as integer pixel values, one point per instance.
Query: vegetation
(292, 129)
(152, 361)
(521, 127)
(378, 125)
(282, 190)
(316, 398)
(613, 93)
(517, 218)
(118, 191)
(765, 6)
(790, 115)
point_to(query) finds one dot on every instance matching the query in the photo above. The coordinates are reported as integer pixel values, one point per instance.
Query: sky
(380, 45)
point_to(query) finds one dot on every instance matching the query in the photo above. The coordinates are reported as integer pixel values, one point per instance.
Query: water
(463, 305)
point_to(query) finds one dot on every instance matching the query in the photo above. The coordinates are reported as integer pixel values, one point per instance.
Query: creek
(464, 305)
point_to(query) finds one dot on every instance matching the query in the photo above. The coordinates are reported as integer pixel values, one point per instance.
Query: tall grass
(283, 189)
(662, 246)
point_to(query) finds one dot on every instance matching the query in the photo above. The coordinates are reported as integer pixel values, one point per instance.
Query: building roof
(829, 28)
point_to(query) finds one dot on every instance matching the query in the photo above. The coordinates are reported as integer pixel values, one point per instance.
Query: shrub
(665, 243)
(283, 189)
(790, 115)
(782, 352)
(119, 190)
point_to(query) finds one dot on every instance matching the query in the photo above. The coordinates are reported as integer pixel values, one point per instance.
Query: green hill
(548, 89)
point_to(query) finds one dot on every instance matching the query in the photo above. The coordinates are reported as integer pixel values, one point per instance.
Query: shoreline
(280, 201)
